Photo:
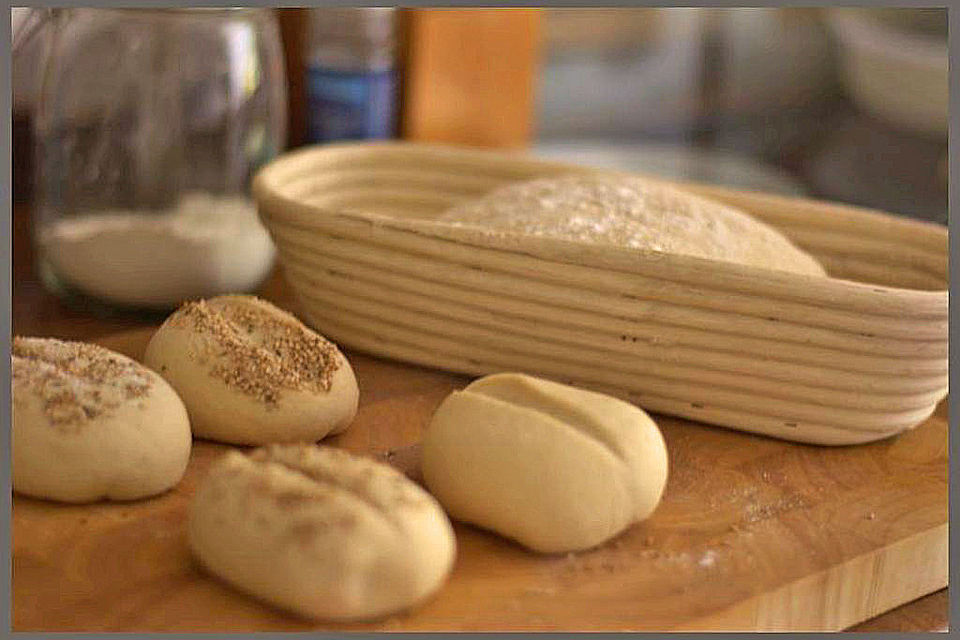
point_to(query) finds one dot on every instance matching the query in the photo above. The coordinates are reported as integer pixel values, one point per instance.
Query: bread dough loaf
(250, 373)
(553, 467)
(321, 532)
(635, 213)
(90, 424)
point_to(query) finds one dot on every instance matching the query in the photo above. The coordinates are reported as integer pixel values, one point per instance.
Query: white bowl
(893, 74)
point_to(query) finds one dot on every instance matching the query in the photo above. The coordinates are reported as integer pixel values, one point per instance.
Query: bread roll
(631, 212)
(90, 424)
(321, 532)
(553, 467)
(250, 373)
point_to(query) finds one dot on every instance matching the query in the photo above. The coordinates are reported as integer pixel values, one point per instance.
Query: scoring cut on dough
(250, 373)
(632, 212)
(551, 466)
(90, 424)
(321, 532)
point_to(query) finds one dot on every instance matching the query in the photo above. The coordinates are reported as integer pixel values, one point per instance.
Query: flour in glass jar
(205, 246)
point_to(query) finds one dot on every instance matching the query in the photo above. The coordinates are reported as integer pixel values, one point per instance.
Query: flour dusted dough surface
(551, 466)
(634, 213)
(250, 373)
(321, 532)
(90, 424)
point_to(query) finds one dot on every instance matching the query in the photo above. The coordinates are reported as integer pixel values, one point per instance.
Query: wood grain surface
(753, 533)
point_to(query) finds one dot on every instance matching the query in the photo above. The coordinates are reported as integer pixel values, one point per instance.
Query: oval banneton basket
(852, 358)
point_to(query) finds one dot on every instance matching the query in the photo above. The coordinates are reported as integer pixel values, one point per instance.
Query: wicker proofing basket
(842, 360)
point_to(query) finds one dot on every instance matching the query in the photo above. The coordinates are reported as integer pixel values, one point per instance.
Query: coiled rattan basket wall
(848, 359)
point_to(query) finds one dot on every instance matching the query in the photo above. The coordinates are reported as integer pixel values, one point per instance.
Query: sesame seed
(76, 382)
(260, 353)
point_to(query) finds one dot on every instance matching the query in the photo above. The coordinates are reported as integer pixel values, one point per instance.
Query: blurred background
(136, 131)
(841, 104)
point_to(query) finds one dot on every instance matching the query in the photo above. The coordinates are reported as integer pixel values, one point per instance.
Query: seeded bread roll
(321, 532)
(553, 467)
(90, 424)
(635, 213)
(250, 373)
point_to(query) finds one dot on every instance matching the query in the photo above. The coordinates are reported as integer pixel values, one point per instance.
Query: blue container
(350, 105)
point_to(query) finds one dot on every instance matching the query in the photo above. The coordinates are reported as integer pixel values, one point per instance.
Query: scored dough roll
(632, 212)
(90, 424)
(321, 532)
(551, 466)
(250, 373)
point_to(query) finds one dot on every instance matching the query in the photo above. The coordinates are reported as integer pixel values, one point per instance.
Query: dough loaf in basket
(632, 212)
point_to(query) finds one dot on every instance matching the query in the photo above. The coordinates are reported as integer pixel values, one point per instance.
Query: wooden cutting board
(752, 533)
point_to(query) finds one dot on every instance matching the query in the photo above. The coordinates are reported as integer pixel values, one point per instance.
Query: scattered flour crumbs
(205, 246)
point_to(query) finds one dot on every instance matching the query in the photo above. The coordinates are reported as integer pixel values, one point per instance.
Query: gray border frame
(7, 279)
(954, 313)
(5, 321)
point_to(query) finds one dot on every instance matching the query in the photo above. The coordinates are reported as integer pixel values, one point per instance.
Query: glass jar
(149, 128)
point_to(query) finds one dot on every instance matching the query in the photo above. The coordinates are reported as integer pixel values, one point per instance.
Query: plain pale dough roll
(321, 532)
(90, 424)
(250, 373)
(631, 212)
(553, 467)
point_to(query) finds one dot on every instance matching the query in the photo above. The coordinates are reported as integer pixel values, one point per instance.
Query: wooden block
(469, 75)
(752, 534)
